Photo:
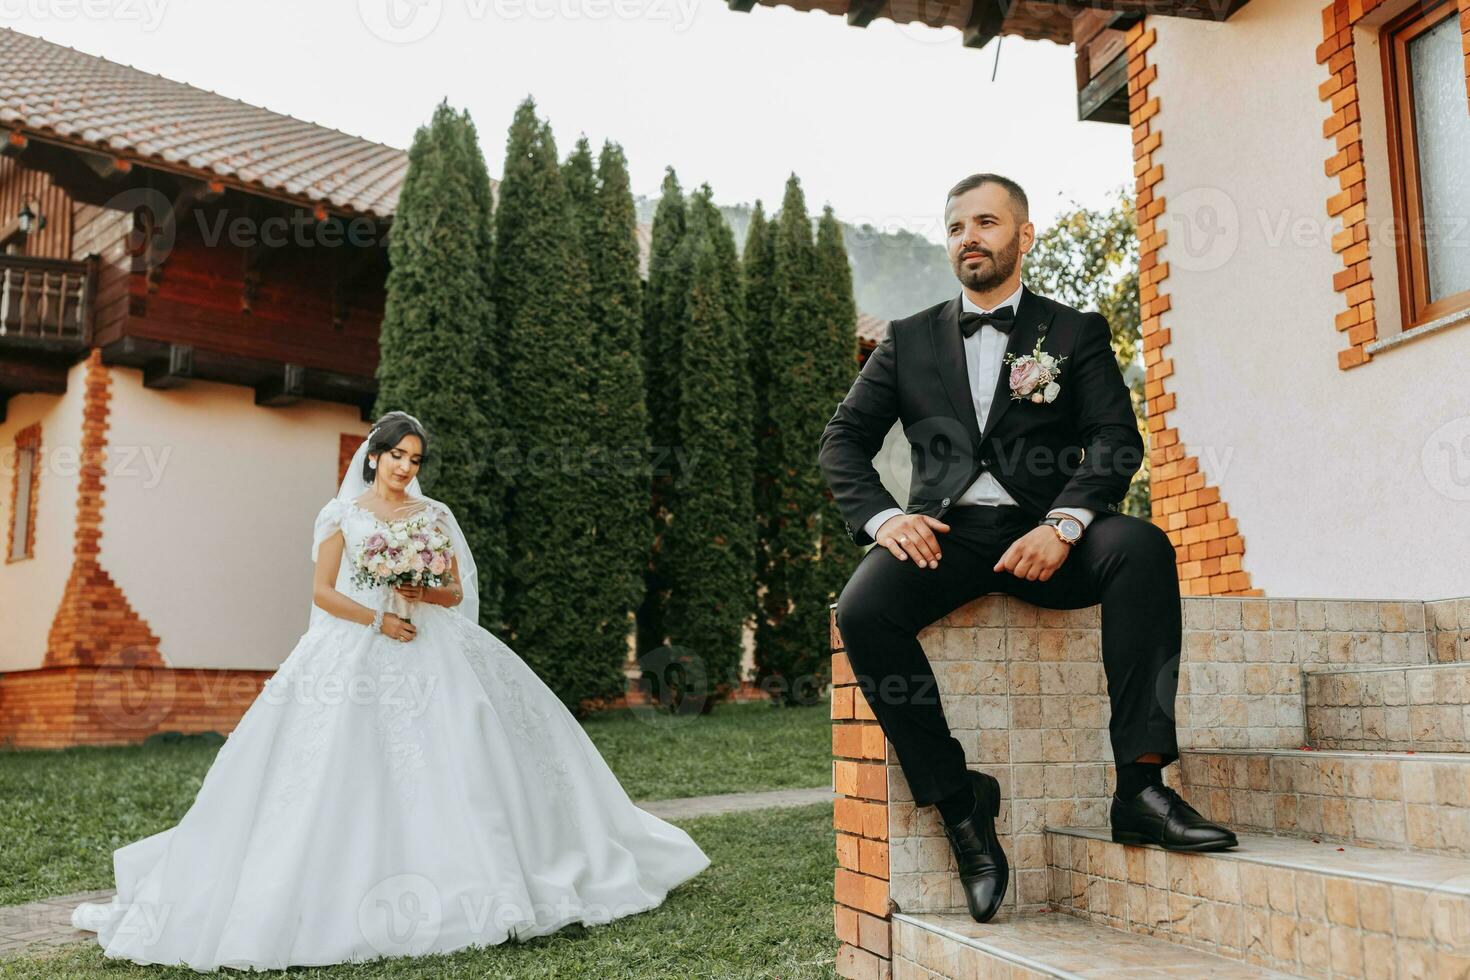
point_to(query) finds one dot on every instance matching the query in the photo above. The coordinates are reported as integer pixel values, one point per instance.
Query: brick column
(860, 815)
(95, 624)
(1206, 538)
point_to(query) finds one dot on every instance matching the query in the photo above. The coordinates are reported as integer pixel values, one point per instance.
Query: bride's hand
(413, 593)
(396, 629)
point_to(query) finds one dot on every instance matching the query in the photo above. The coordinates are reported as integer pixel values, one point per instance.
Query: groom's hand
(1035, 555)
(912, 536)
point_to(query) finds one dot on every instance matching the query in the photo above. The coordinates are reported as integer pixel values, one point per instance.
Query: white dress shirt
(984, 357)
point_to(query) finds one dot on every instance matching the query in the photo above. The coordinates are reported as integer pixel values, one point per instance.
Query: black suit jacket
(1080, 450)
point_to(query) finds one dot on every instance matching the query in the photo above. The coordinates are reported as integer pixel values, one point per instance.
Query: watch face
(1071, 528)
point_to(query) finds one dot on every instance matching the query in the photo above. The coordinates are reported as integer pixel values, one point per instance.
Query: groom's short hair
(1020, 206)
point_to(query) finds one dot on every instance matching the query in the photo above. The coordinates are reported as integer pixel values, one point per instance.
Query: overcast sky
(877, 122)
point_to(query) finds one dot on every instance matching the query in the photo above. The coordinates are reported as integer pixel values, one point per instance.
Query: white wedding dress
(382, 798)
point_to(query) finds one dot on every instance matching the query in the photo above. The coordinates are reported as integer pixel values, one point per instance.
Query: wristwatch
(1068, 529)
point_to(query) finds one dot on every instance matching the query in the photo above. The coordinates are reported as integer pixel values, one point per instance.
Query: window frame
(26, 440)
(1403, 164)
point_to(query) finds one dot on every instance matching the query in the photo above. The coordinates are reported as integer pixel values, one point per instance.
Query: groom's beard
(988, 276)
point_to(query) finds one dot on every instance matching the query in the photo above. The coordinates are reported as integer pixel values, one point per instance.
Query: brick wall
(1343, 126)
(1359, 320)
(55, 707)
(95, 624)
(860, 778)
(1206, 538)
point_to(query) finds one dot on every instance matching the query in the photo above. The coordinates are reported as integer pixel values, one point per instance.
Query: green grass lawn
(62, 813)
(763, 908)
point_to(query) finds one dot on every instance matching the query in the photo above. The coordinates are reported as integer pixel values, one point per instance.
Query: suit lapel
(1032, 320)
(954, 374)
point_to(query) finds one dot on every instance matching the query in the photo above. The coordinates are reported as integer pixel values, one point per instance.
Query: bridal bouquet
(406, 552)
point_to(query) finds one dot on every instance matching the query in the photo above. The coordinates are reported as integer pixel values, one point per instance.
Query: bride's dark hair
(388, 432)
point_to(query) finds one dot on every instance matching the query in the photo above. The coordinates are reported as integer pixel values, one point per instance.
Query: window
(23, 494)
(1429, 156)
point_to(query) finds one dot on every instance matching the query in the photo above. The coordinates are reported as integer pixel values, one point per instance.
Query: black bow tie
(1002, 319)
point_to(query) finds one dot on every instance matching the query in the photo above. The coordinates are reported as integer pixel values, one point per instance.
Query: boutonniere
(1034, 375)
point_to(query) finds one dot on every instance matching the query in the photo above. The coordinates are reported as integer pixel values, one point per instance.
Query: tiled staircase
(1330, 735)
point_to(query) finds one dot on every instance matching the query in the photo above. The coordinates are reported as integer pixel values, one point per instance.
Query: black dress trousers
(1125, 563)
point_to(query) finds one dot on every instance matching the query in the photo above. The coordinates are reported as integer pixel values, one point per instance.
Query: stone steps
(1372, 799)
(1424, 708)
(1039, 943)
(1280, 739)
(1312, 909)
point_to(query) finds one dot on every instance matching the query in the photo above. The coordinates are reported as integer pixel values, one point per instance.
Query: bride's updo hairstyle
(388, 432)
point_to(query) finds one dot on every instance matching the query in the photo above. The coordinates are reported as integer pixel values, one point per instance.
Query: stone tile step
(1425, 707)
(1417, 800)
(1042, 943)
(1288, 904)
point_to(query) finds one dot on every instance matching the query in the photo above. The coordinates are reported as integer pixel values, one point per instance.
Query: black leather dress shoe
(1158, 815)
(984, 871)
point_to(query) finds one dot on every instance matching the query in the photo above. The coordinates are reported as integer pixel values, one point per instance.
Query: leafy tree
(808, 372)
(617, 489)
(709, 541)
(1088, 258)
(663, 323)
(437, 359)
(542, 297)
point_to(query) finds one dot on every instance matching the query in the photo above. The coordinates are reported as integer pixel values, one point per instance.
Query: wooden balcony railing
(46, 304)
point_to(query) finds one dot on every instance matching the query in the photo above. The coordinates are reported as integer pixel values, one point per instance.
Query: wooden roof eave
(11, 135)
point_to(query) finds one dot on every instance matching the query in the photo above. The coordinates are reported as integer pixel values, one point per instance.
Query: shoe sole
(1132, 837)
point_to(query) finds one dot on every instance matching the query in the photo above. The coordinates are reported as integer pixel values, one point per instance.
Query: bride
(397, 788)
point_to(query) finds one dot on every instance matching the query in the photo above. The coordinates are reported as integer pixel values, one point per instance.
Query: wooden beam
(984, 22)
(106, 166)
(1216, 10)
(286, 388)
(175, 372)
(14, 143)
(860, 13)
(30, 374)
(160, 216)
(1105, 97)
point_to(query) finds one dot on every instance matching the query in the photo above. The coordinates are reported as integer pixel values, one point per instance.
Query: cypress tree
(836, 322)
(801, 395)
(617, 488)
(709, 540)
(548, 351)
(436, 352)
(759, 269)
(663, 325)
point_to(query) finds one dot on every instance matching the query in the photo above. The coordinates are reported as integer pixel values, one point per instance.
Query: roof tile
(49, 89)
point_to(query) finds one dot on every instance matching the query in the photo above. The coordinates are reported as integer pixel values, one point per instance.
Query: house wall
(1345, 483)
(208, 518)
(31, 589)
(19, 187)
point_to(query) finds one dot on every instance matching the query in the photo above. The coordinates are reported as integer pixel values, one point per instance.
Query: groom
(1007, 494)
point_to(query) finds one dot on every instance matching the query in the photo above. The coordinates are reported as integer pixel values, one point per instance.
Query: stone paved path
(38, 926)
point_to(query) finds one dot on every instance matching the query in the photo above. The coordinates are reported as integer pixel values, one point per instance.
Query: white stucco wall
(31, 589)
(208, 516)
(1345, 483)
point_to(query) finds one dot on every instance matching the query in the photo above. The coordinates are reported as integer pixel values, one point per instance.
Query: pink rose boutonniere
(1034, 375)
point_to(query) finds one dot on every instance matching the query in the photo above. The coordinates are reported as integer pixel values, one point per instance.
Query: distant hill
(893, 273)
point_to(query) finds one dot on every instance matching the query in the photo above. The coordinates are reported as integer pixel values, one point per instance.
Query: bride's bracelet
(377, 626)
